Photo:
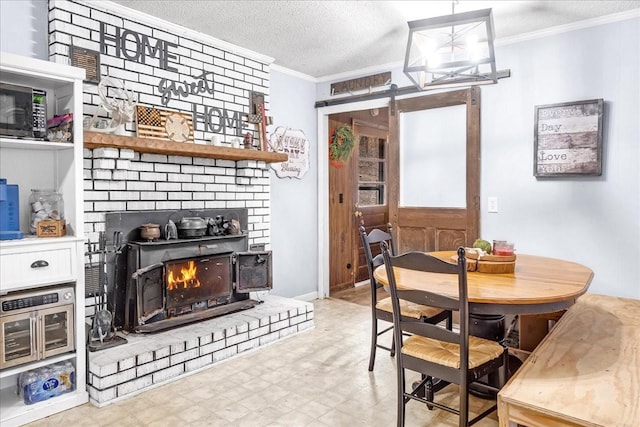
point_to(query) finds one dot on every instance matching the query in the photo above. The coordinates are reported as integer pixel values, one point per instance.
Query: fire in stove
(188, 277)
(196, 284)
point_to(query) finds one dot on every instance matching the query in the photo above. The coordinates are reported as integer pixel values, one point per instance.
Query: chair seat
(409, 309)
(448, 354)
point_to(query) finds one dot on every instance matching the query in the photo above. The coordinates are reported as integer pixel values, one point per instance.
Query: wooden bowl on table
(491, 264)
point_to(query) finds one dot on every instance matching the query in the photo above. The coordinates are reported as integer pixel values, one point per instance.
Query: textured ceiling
(324, 38)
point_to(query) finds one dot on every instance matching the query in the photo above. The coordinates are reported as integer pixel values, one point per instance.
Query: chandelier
(451, 51)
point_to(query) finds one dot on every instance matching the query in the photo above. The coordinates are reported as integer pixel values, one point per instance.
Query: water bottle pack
(46, 382)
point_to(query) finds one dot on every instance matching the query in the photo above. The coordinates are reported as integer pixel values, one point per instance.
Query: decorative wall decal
(89, 60)
(177, 128)
(120, 105)
(168, 68)
(568, 139)
(218, 120)
(294, 143)
(259, 118)
(159, 123)
(137, 47)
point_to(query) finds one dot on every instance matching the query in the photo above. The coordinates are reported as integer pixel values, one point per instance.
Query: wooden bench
(586, 372)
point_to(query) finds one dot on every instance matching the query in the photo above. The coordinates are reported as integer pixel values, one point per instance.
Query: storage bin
(45, 205)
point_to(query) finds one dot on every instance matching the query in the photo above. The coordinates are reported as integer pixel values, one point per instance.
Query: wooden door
(437, 227)
(345, 247)
(371, 197)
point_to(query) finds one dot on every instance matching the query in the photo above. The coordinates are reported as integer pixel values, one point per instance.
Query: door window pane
(433, 157)
(371, 171)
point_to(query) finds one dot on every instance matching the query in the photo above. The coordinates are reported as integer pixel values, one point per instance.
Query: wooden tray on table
(491, 264)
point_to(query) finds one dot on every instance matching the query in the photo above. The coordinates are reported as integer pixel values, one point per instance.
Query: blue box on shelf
(9, 211)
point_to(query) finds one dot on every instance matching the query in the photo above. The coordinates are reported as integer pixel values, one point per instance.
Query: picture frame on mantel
(568, 139)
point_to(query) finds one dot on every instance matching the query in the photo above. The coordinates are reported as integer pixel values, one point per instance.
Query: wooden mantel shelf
(156, 146)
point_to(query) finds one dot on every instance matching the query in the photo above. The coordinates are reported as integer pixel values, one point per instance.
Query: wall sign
(295, 144)
(568, 139)
(87, 59)
(140, 48)
(160, 123)
(367, 82)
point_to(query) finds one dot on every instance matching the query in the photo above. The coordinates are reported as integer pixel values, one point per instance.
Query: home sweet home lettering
(140, 48)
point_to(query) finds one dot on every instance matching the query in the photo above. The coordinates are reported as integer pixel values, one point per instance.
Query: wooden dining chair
(381, 308)
(433, 351)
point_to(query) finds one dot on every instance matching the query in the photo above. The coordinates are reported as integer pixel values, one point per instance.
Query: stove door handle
(39, 264)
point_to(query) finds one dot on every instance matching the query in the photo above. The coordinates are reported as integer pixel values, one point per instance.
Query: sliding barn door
(434, 170)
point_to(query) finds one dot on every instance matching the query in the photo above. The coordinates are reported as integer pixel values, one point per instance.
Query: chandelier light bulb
(473, 48)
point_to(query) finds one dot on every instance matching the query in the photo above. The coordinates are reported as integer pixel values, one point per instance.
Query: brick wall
(124, 180)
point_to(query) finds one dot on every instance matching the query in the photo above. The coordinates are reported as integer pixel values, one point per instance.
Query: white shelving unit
(50, 165)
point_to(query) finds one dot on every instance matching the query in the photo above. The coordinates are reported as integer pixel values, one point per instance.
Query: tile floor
(316, 378)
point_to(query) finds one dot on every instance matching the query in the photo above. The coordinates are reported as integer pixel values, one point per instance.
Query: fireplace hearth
(173, 282)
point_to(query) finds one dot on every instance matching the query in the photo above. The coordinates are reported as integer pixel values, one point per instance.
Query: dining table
(537, 285)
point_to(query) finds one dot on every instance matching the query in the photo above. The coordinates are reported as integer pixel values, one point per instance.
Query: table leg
(491, 327)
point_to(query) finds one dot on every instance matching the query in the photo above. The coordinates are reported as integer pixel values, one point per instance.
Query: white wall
(294, 210)
(24, 29)
(594, 221)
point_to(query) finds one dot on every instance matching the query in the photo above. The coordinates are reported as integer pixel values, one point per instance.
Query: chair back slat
(429, 298)
(421, 261)
(376, 236)
(430, 330)
(377, 261)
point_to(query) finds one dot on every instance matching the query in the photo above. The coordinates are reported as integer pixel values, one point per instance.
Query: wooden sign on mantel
(568, 139)
(348, 86)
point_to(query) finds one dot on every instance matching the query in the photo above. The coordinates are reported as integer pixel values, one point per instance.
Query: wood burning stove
(178, 281)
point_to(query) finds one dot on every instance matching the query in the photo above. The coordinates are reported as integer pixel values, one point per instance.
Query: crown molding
(293, 73)
(574, 26)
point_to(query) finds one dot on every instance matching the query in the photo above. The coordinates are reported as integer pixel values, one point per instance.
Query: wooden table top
(585, 372)
(538, 285)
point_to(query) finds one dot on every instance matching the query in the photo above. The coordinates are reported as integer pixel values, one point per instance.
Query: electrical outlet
(492, 204)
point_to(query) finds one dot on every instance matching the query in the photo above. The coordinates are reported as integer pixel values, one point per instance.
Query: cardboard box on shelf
(51, 228)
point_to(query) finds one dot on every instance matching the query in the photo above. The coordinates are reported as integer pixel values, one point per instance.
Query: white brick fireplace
(149, 56)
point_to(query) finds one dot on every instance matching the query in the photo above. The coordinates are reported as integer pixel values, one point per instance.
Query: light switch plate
(492, 204)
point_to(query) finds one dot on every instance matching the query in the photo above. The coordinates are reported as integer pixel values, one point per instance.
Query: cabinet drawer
(30, 266)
